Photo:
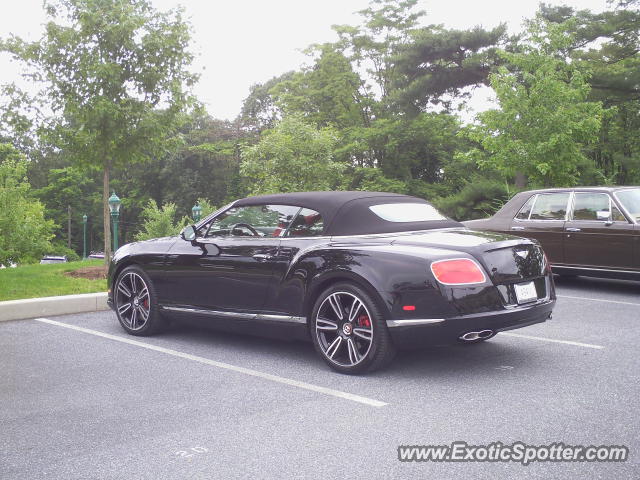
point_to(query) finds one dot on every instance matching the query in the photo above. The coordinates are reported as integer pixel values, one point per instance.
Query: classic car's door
(598, 234)
(230, 267)
(542, 217)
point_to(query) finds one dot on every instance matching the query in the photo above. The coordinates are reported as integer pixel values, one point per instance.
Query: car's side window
(550, 206)
(595, 207)
(525, 211)
(587, 205)
(253, 221)
(308, 223)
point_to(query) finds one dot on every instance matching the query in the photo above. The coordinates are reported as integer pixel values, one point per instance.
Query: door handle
(573, 229)
(517, 228)
(262, 257)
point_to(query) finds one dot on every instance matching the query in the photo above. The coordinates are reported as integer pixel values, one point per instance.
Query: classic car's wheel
(349, 331)
(135, 302)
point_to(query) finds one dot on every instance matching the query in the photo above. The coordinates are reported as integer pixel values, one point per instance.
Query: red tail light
(458, 271)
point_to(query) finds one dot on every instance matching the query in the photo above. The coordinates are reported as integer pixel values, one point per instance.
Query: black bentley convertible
(360, 273)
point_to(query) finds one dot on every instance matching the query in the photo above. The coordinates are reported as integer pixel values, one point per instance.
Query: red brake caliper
(363, 321)
(146, 303)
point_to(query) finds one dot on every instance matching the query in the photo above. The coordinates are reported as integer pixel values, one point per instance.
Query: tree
(608, 44)
(294, 156)
(438, 65)
(545, 121)
(25, 235)
(160, 222)
(114, 72)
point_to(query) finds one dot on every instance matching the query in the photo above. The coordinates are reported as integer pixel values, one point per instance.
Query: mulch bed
(90, 273)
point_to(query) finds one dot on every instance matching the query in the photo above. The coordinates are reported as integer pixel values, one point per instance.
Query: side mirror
(603, 215)
(188, 233)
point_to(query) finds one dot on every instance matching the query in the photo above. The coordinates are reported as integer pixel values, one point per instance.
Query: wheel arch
(321, 283)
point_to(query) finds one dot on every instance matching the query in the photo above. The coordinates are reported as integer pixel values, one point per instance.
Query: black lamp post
(114, 206)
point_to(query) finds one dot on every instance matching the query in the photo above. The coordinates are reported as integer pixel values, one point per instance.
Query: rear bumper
(428, 332)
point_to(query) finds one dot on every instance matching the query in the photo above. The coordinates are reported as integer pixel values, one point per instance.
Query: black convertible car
(361, 273)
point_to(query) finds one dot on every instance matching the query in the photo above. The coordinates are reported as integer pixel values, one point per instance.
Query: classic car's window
(308, 223)
(525, 211)
(251, 221)
(587, 205)
(630, 200)
(407, 212)
(550, 206)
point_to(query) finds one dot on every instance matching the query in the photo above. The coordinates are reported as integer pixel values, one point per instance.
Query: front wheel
(135, 302)
(349, 330)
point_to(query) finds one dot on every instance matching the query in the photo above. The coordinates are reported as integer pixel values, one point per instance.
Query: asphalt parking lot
(91, 402)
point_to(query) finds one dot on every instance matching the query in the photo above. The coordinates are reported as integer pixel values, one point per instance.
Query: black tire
(354, 353)
(136, 310)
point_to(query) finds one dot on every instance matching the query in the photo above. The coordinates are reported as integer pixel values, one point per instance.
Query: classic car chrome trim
(239, 315)
(537, 195)
(591, 269)
(413, 321)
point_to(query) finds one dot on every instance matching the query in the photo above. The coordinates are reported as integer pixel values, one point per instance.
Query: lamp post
(84, 237)
(196, 212)
(114, 206)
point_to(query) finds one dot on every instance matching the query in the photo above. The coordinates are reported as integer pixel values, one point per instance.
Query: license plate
(526, 292)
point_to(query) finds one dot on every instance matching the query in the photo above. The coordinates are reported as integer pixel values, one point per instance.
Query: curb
(49, 306)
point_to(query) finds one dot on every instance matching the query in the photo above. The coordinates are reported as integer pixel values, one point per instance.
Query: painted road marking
(599, 300)
(246, 371)
(553, 340)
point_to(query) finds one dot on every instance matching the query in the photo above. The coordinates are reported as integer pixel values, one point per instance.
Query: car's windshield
(630, 199)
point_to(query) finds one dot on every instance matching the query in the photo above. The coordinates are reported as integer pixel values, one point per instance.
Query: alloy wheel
(133, 303)
(344, 329)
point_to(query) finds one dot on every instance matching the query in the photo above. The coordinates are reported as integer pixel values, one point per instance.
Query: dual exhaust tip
(473, 336)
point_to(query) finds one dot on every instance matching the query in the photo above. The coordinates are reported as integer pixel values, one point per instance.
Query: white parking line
(246, 371)
(599, 300)
(553, 340)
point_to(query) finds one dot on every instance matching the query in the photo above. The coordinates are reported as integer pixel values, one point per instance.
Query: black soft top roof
(348, 213)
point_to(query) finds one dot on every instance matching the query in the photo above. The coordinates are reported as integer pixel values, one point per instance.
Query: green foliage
(48, 280)
(25, 234)
(545, 121)
(294, 156)
(479, 198)
(75, 188)
(438, 65)
(372, 180)
(115, 74)
(60, 249)
(160, 222)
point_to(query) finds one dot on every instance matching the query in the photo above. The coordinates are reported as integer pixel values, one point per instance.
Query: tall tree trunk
(521, 180)
(106, 212)
(69, 226)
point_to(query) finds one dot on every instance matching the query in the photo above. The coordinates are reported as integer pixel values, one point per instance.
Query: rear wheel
(135, 302)
(349, 331)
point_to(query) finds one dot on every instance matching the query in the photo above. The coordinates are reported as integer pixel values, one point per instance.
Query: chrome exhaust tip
(473, 336)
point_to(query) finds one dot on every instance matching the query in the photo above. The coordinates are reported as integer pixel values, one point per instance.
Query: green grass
(31, 281)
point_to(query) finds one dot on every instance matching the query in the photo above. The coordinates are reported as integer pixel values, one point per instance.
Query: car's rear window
(407, 212)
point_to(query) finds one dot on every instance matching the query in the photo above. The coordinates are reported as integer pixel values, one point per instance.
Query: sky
(242, 42)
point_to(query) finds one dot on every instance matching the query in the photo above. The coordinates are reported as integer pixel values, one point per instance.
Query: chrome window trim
(566, 213)
(573, 206)
(535, 198)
